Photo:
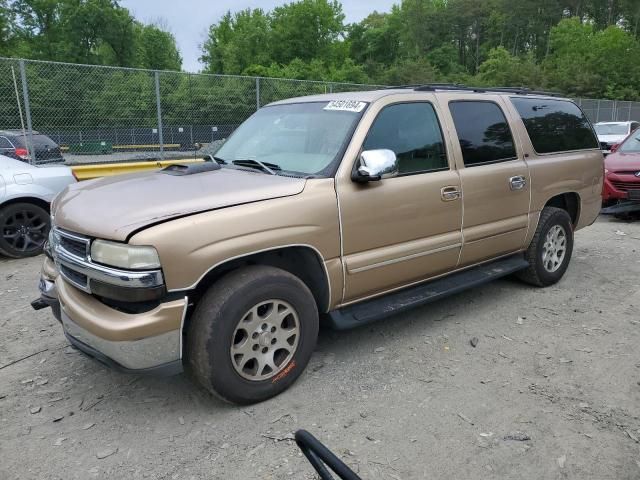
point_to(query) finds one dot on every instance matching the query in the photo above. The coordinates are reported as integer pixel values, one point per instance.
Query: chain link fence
(109, 114)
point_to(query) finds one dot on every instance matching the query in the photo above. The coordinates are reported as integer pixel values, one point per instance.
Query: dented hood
(114, 207)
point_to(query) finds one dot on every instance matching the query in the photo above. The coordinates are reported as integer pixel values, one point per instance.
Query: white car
(25, 194)
(613, 133)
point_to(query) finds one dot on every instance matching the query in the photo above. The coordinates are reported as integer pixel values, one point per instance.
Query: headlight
(124, 256)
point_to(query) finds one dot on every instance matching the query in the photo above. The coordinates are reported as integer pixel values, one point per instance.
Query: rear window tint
(483, 132)
(39, 141)
(43, 141)
(555, 125)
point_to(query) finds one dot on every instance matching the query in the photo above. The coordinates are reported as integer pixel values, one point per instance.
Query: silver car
(25, 194)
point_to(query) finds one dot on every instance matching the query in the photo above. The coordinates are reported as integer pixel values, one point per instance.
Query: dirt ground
(551, 391)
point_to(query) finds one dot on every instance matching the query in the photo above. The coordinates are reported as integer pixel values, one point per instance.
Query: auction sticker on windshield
(346, 105)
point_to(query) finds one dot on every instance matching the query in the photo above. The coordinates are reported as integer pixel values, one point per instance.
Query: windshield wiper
(253, 163)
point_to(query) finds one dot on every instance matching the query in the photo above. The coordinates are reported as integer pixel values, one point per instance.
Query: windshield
(612, 128)
(303, 138)
(631, 144)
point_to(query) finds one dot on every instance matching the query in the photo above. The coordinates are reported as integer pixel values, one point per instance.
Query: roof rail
(432, 87)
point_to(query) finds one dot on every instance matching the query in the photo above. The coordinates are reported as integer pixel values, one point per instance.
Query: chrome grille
(74, 246)
(75, 278)
(71, 252)
(70, 244)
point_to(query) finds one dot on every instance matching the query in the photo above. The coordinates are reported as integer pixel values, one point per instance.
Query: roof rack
(432, 87)
(419, 86)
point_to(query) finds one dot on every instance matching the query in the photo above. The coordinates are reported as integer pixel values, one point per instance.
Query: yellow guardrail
(97, 170)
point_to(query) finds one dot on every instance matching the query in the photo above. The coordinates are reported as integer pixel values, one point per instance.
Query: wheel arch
(32, 200)
(303, 261)
(569, 202)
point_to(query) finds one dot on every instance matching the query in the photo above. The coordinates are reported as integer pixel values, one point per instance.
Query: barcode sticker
(346, 106)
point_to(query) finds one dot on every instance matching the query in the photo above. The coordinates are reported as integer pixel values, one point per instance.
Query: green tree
(306, 29)
(156, 49)
(236, 42)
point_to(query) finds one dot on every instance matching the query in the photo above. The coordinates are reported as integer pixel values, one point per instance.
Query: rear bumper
(149, 342)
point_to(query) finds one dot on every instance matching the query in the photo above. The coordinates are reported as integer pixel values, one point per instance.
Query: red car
(622, 172)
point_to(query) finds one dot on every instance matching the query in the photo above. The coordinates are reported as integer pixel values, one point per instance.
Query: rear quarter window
(555, 125)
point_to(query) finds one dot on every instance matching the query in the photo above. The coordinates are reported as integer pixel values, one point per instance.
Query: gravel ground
(551, 390)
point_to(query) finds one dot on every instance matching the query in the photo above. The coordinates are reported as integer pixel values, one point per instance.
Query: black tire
(212, 330)
(536, 274)
(24, 228)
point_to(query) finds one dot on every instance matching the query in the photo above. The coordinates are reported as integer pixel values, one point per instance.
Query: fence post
(159, 108)
(257, 93)
(598, 113)
(27, 110)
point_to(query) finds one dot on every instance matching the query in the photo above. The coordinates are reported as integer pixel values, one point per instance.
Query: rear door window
(555, 125)
(483, 132)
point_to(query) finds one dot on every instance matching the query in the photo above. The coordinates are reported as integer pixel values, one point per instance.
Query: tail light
(22, 153)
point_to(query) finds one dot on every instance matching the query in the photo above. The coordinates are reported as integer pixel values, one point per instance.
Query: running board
(381, 307)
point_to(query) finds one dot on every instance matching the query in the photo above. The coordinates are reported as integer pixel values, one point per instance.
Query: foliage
(579, 48)
(97, 32)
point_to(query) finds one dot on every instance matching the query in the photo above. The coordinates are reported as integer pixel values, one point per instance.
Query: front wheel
(252, 334)
(24, 228)
(550, 250)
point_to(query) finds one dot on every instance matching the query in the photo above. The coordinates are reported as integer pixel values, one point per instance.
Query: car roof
(615, 123)
(374, 95)
(10, 132)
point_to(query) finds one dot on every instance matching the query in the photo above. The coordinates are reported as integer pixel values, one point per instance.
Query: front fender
(190, 247)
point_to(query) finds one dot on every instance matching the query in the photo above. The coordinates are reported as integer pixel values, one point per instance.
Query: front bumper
(149, 342)
(620, 186)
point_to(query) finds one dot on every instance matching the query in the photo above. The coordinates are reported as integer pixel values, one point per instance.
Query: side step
(381, 307)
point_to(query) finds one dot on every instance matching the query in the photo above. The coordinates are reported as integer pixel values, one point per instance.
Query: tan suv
(341, 208)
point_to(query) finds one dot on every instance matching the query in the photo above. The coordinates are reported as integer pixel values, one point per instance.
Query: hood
(611, 138)
(622, 162)
(114, 207)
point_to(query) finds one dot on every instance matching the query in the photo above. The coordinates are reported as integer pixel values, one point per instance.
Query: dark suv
(13, 144)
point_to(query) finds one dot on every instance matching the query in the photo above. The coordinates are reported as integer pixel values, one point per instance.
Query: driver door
(401, 230)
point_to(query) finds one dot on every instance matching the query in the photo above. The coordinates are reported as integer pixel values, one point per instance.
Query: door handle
(518, 182)
(450, 193)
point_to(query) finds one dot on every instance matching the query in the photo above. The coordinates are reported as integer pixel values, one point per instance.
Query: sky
(189, 20)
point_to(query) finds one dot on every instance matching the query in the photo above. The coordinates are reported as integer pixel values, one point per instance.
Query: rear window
(38, 141)
(555, 125)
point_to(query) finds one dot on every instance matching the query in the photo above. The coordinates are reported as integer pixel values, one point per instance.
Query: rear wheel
(24, 228)
(252, 334)
(550, 250)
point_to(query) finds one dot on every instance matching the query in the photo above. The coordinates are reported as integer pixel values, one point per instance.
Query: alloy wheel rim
(265, 340)
(554, 249)
(25, 231)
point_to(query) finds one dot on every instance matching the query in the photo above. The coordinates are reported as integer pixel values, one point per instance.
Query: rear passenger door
(494, 177)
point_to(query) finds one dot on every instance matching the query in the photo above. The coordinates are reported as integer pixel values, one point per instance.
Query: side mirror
(374, 165)
(614, 147)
